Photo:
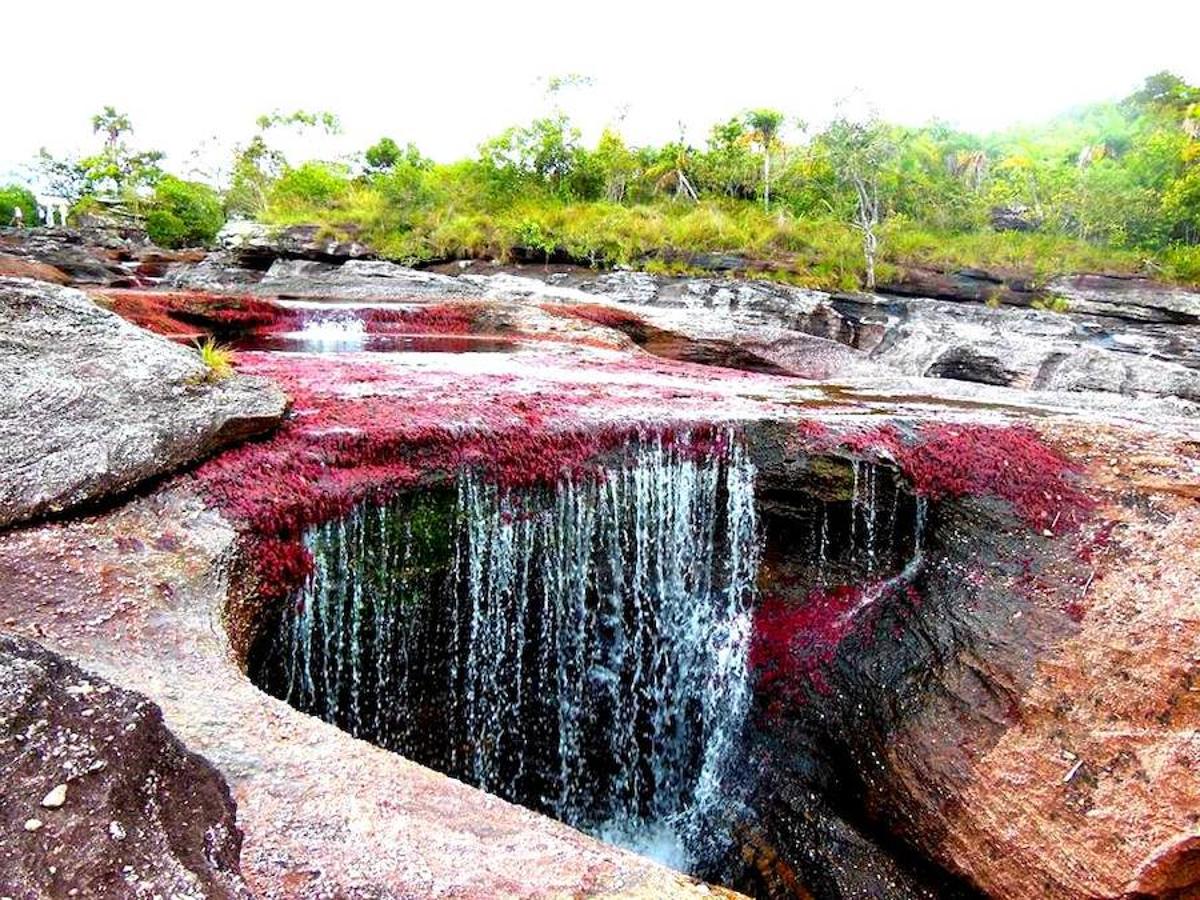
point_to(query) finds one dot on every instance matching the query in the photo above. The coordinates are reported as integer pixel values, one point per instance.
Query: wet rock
(1133, 346)
(91, 405)
(91, 256)
(17, 267)
(1034, 349)
(121, 762)
(964, 286)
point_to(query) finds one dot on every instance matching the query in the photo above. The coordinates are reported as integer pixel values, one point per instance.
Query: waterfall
(580, 649)
(333, 329)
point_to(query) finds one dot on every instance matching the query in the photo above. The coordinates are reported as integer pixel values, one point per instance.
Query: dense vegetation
(11, 198)
(1113, 186)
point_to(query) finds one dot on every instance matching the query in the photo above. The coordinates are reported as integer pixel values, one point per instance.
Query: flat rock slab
(91, 405)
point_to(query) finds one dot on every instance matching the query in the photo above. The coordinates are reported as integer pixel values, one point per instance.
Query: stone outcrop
(1131, 346)
(1034, 349)
(91, 405)
(255, 246)
(20, 267)
(1021, 724)
(1127, 297)
(99, 799)
(102, 257)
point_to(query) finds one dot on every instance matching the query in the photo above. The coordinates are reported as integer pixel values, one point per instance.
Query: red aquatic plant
(598, 314)
(192, 312)
(441, 318)
(363, 429)
(1010, 462)
(794, 643)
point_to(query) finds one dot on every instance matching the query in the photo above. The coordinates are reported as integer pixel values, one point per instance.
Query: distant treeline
(1113, 185)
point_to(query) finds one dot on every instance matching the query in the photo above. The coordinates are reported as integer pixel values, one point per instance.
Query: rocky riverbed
(1004, 711)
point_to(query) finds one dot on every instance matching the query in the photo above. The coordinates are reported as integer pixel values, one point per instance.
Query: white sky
(448, 75)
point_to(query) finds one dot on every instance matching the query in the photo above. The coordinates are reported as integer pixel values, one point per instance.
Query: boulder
(1128, 297)
(91, 405)
(18, 267)
(1033, 349)
(255, 246)
(1123, 336)
(89, 256)
(964, 286)
(1014, 217)
(100, 799)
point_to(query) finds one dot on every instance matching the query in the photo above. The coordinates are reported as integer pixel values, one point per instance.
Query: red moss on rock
(361, 429)
(192, 312)
(794, 643)
(597, 314)
(1010, 462)
(442, 318)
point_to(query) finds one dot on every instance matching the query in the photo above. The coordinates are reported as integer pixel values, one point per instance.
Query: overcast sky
(447, 75)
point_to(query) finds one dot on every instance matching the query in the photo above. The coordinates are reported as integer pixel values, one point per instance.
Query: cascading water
(333, 329)
(580, 649)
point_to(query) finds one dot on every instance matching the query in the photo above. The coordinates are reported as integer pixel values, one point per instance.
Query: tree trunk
(870, 245)
(766, 180)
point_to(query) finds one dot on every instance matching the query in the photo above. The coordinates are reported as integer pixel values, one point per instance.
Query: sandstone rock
(771, 327)
(91, 405)
(17, 267)
(964, 286)
(94, 256)
(1035, 349)
(256, 246)
(185, 842)
(1128, 297)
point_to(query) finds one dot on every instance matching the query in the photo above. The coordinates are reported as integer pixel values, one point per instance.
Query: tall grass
(812, 252)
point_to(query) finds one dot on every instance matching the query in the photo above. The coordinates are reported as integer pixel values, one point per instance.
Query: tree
(618, 165)
(670, 170)
(184, 213)
(257, 164)
(116, 171)
(385, 155)
(12, 197)
(858, 152)
(764, 125)
(728, 167)
(547, 149)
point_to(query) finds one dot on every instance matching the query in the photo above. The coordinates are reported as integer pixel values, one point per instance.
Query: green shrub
(312, 184)
(13, 196)
(184, 214)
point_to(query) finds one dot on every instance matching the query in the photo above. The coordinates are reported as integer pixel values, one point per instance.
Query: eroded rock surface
(1023, 719)
(91, 405)
(97, 797)
(256, 246)
(1118, 337)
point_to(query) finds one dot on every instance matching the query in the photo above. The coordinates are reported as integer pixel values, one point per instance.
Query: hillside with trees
(1109, 187)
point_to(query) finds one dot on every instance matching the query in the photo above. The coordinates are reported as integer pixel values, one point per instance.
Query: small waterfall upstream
(580, 649)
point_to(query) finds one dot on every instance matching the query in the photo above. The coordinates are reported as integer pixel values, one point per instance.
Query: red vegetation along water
(191, 313)
(794, 643)
(364, 429)
(1010, 462)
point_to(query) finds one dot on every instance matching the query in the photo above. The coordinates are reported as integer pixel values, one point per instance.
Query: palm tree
(764, 125)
